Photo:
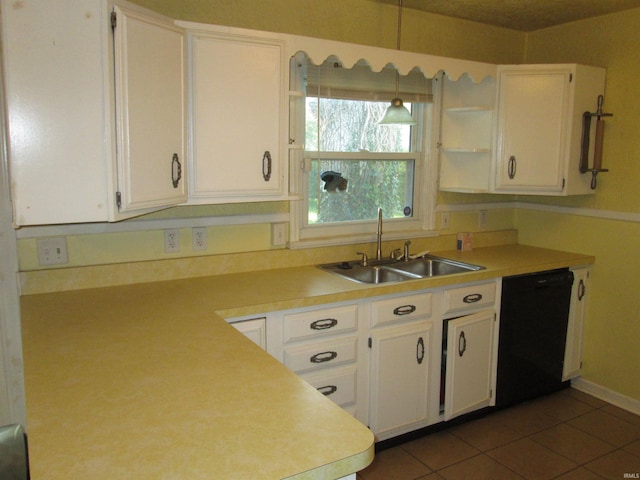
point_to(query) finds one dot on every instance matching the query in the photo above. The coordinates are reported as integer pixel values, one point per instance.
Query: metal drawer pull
(420, 351)
(266, 166)
(472, 298)
(404, 310)
(176, 170)
(323, 357)
(462, 344)
(323, 324)
(581, 290)
(511, 170)
(327, 390)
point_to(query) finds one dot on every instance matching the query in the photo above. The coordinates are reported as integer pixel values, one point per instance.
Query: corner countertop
(148, 381)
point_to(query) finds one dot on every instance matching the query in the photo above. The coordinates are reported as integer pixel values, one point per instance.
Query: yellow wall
(612, 331)
(611, 355)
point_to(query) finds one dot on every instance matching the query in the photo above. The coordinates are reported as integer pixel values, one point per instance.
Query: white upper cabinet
(238, 122)
(150, 111)
(61, 111)
(539, 127)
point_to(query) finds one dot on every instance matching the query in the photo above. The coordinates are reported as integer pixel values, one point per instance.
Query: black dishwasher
(533, 331)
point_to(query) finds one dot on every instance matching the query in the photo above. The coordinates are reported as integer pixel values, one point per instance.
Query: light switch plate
(52, 251)
(444, 220)
(278, 234)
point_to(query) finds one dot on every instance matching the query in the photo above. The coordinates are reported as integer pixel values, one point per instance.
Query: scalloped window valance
(349, 55)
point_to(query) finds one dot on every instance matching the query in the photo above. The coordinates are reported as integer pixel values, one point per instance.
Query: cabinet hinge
(564, 181)
(118, 200)
(570, 77)
(369, 343)
(114, 20)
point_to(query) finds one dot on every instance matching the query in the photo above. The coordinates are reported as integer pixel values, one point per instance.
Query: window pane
(351, 126)
(367, 185)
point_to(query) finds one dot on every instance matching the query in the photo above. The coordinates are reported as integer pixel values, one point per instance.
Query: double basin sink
(386, 271)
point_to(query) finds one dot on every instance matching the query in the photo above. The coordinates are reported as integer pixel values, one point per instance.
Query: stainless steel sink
(399, 271)
(430, 266)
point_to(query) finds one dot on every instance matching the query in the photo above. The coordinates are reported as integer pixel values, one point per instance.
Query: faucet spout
(379, 236)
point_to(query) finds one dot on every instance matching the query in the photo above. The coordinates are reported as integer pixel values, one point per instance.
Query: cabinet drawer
(469, 297)
(401, 308)
(321, 354)
(338, 385)
(321, 322)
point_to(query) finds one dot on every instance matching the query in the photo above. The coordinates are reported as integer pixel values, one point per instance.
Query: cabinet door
(533, 110)
(469, 363)
(58, 131)
(150, 110)
(255, 330)
(399, 377)
(577, 310)
(237, 88)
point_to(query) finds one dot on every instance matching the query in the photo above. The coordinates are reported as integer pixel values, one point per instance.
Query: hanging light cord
(399, 22)
(398, 45)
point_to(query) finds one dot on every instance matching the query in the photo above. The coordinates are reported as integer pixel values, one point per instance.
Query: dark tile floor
(568, 435)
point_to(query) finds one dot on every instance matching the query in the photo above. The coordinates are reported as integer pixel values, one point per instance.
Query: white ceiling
(523, 15)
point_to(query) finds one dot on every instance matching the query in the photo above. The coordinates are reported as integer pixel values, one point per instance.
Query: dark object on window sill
(333, 181)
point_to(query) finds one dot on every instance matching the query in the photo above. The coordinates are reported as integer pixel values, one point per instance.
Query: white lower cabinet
(399, 381)
(572, 367)
(254, 329)
(338, 385)
(398, 362)
(469, 361)
(469, 348)
(322, 344)
(401, 356)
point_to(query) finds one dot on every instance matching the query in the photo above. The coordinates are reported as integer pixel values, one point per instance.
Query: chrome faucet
(379, 236)
(406, 256)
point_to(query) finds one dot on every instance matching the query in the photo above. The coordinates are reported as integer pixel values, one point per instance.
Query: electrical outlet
(483, 218)
(444, 220)
(172, 240)
(198, 238)
(52, 251)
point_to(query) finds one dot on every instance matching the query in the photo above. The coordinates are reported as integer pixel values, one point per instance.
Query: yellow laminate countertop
(148, 381)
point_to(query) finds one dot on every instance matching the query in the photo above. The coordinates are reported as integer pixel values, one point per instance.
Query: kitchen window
(348, 165)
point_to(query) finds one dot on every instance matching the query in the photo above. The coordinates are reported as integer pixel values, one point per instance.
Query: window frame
(424, 152)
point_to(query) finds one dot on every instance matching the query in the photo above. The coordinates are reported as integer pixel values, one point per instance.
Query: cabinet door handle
(511, 170)
(462, 344)
(472, 298)
(323, 357)
(404, 310)
(581, 290)
(266, 166)
(420, 351)
(176, 170)
(323, 324)
(327, 390)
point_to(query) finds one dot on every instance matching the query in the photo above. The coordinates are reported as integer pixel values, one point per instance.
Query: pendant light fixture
(397, 113)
